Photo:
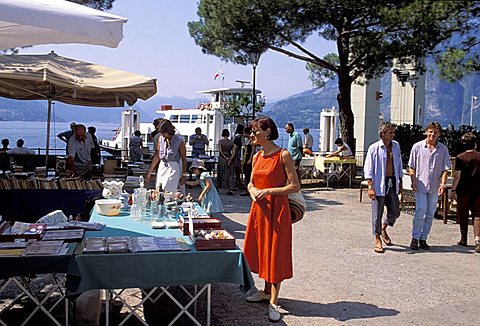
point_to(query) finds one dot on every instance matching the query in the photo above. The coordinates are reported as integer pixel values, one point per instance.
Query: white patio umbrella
(34, 22)
(53, 77)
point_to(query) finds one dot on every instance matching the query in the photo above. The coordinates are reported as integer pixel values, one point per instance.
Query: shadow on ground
(342, 310)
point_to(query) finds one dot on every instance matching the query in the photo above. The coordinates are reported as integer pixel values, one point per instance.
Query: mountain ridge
(445, 103)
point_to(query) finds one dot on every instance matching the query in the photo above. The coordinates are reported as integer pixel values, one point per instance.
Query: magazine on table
(46, 248)
(73, 234)
(146, 244)
(89, 226)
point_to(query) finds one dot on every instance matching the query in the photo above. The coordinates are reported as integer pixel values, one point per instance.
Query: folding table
(150, 270)
(336, 167)
(18, 271)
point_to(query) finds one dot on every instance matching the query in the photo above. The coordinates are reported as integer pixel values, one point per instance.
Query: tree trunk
(345, 109)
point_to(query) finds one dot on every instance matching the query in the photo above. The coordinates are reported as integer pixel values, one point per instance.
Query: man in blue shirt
(383, 171)
(294, 146)
(428, 163)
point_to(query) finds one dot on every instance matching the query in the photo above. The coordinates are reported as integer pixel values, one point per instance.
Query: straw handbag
(297, 206)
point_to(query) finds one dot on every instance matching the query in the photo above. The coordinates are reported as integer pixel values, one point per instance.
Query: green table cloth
(144, 270)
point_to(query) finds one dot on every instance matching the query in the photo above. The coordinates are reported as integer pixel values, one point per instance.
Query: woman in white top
(172, 158)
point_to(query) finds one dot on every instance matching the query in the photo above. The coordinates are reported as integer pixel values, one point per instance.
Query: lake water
(35, 133)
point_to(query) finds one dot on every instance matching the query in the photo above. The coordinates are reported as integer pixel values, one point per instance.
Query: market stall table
(336, 167)
(156, 269)
(19, 271)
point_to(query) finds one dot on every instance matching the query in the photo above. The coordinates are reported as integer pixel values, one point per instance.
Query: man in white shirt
(20, 149)
(343, 149)
(79, 160)
(307, 142)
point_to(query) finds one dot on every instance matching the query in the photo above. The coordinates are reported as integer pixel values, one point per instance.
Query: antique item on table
(213, 240)
(109, 207)
(112, 189)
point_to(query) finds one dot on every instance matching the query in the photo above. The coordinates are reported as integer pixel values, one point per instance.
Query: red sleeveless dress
(268, 238)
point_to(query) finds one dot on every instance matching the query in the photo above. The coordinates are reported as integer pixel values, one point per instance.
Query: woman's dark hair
(247, 130)
(265, 123)
(239, 129)
(469, 140)
(225, 133)
(137, 133)
(338, 141)
(167, 127)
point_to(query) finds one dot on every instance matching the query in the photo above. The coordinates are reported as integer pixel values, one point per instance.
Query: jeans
(425, 207)
(391, 201)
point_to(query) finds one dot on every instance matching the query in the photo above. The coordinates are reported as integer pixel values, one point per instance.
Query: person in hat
(208, 198)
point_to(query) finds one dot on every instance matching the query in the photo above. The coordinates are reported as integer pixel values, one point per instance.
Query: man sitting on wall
(79, 161)
(20, 149)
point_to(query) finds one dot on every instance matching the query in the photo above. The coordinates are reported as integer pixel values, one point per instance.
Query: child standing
(208, 198)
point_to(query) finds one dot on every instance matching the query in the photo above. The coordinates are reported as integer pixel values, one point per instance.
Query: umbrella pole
(48, 133)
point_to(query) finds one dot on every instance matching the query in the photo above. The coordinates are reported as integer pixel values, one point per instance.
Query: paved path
(339, 280)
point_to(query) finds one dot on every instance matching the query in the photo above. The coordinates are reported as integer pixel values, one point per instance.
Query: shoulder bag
(297, 204)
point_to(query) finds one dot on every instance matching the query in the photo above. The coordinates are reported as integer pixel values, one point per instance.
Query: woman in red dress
(268, 238)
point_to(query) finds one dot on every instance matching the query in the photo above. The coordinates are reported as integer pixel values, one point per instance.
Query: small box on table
(213, 240)
(200, 223)
(21, 230)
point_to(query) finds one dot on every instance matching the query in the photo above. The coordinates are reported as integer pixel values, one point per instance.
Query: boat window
(174, 118)
(196, 118)
(216, 97)
(185, 118)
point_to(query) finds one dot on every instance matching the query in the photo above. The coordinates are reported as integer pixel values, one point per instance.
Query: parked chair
(363, 187)
(307, 168)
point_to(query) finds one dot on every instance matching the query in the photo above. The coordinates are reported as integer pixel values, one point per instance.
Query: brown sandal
(379, 250)
(386, 238)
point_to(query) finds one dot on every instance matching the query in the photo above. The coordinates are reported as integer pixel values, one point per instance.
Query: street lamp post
(472, 107)
(414, 83)
(254, 58)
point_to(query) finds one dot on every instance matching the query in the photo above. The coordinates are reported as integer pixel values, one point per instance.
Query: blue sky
(157, 44)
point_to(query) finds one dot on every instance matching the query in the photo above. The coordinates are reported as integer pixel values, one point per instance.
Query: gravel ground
(339, 280)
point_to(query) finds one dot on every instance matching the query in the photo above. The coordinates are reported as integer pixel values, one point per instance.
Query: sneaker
(414, 244)
(274, 313)
(259, 296)
(424, 245)
(477, 246)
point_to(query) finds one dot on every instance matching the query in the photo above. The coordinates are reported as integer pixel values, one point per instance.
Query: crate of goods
(200, 224)
(213, 240)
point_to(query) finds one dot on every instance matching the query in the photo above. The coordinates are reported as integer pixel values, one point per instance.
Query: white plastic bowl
(109, 207)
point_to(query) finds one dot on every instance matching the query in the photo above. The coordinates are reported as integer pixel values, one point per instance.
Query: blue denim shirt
(429, 165)
(376, 164)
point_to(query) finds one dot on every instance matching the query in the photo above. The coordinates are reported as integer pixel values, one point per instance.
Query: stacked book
(25, 181)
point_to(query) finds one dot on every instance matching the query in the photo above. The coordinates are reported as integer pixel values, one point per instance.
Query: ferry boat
(208, 116)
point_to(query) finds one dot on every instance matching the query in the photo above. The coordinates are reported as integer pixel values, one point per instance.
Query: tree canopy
(96, 4)
(368, 34)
